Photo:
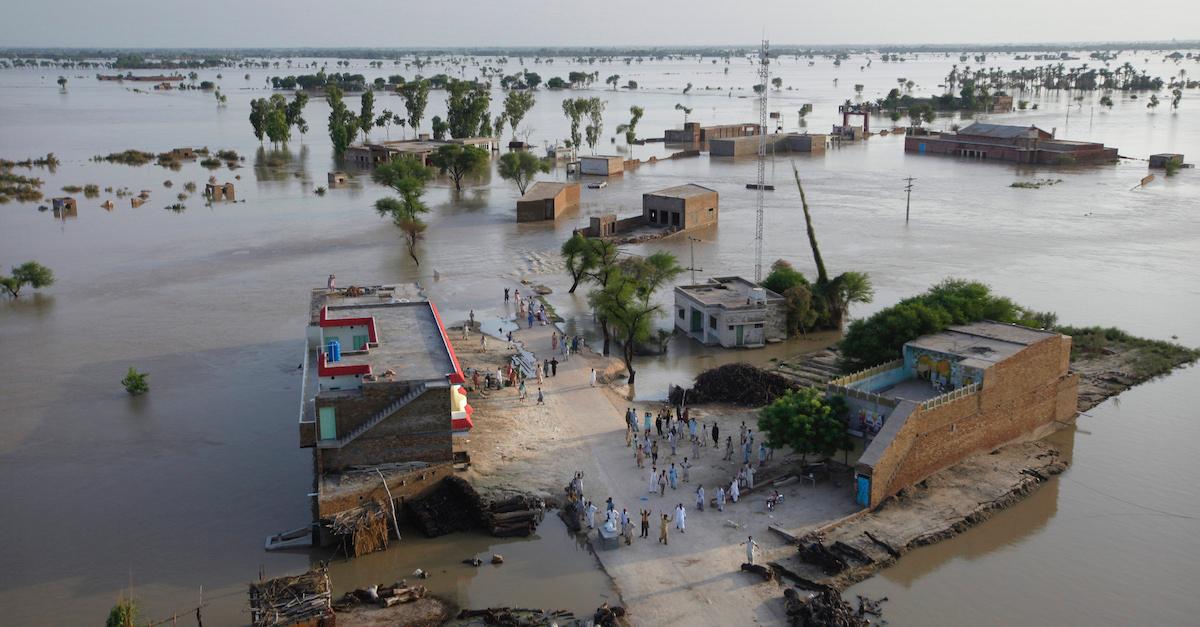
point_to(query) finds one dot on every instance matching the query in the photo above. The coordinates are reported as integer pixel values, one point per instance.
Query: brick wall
(419, 431)
(403, 487)
(1021, 395)
(353, 410)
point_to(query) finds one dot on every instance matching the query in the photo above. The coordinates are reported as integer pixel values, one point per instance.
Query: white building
(730, 311)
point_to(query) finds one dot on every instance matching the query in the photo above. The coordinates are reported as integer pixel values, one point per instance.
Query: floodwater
(177, 489)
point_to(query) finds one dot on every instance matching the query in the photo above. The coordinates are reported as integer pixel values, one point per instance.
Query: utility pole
(764, 79)
(692, 251)
(908, 199)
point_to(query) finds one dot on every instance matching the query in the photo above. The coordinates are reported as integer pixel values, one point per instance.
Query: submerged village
(727, 438)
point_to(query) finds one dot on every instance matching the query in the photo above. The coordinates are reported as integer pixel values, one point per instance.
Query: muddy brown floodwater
(177, 489)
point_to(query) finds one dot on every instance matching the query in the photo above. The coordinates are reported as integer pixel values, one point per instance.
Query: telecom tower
(764, 80)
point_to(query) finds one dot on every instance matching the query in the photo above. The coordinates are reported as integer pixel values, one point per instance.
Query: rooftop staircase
(379, 417)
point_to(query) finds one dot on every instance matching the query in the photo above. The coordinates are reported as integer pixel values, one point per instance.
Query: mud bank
(850, 550)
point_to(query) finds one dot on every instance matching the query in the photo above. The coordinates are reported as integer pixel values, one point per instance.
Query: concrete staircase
(815, 369)
(412, 394)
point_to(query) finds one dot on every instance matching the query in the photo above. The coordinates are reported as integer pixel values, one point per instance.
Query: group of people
(621, 522)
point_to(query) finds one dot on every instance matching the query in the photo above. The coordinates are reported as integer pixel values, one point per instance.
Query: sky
(483, 23)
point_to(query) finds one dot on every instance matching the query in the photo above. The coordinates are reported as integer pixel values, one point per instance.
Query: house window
(758, 325)
(653, 216)
(681, 316)
(712, 321)
(731, 327)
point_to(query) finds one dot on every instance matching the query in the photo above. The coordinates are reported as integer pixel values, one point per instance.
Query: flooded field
(177, 489)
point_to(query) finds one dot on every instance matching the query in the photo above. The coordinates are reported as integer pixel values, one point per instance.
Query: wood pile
(736, 384)
(818, 554)
(453, 505)
(516, 516)
(604, 616)
(362, 530)
(295, 600)
(827, 608)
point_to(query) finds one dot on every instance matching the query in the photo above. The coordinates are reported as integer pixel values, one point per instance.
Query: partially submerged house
(776, 143)
(336, 178)
(730, 312)
(954, 394)
(219, 191)
(684, 206)
(381, 401)
(1002, 142)
(602, 165)
(63, 203)
(368, 154)
(693, 132)
(546, 200)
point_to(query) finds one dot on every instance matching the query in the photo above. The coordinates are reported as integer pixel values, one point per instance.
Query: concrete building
(545, 200)
(1161, 160)
(954, 394)
(63, 203)
(776, 143)
(369, 154)
(602, 165)
(218, 191)
(336, 178)
(730, 312)
(1018, 144)
(382, 389)
(683, 207)
(692, 132)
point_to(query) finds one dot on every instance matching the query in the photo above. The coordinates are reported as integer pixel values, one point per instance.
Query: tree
(777, 83)
(366, 116)
(578, 253)
(686, 111)
(62, 83)
(30, 273)
(439, 128)
(613, 80)
(520, 167)
(630, 129)
(1106, 101)
(1176, 96)
(556, 82)
(921, 113)
(416, 97)
(516, 105)
(407, 176)
(259, 108)
(574, 109)
(343, 125)
(295, 108)
(806, 422)
(625, 300)
(458, 161)
(595, 126)
(277, 126)
(1153, 103)
(498, 125)
(687, 89)
(532, 79)
(385, 121)
(135, 382)
(467, 108)
(123, 614)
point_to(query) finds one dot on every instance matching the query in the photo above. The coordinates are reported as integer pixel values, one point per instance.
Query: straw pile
(364, 529)
(291, 600)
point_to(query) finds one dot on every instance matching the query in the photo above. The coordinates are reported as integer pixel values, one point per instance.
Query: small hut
(64, 203)
(295, 601)
(217, 191)
(337, 179)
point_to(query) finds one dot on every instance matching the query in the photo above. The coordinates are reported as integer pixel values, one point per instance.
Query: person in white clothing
(680, 518)
(750, 546)
(592, 378)
(733, 491)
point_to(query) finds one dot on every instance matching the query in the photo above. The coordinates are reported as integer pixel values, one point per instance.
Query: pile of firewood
(736, 384)
(828, 609)
(515, 516)
(383, 596)
(291, 600)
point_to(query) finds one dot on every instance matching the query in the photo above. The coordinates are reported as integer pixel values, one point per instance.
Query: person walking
(696, 448)
(590, 510)
(626, 527)
(471, 317)
(662, 529)
(728, 447)
(592, 378)
(673, 476)
(720, 499)
(539, 373)
(645, 513)
(541, 398)
(687, 469)
(662, 483)
(700, 498)
(506, 296)
(654, 453)
(750, 546)
(641, 455)
(762, 454)
(657, 423)
(734, 491)
(554, 341)
(521, 390)
(750, 476)
(716, 432)
(554, 367)
(673, 439)
(681, 518)
(653, 483)
(628, 436)
(483, 341)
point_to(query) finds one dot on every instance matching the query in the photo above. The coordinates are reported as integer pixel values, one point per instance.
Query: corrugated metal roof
(1001, 131)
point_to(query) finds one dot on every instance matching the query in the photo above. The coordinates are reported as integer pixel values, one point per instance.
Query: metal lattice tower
(764, 78)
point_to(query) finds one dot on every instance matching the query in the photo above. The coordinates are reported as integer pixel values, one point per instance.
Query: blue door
(920, 147)
(863, 492)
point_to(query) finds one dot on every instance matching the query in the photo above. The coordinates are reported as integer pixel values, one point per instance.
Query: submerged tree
(516, 105)
(366, 116)
(686, 111)
(135, 382)
(343, 124)
(630, 129)
(30, 273)
(458, 161)
(520, 167)
(579, 256)
(625, 300)
(407, 176)
(416, 97)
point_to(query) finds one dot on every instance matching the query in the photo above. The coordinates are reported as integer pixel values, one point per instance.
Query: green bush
(135, 382)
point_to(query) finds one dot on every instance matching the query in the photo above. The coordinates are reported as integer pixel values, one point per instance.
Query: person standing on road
(680, 518)
(750, 546)
(673, 476)
(700, 498)
(716, 434)
(720, 499)
(728, 447)
(733, 490)
(591, 508)
(662, 483)
(687, 467)
(554, 367)
(506, 296)
(592, 378)
(645, 523)
(662, 529)
(541, 398)
(653, 483)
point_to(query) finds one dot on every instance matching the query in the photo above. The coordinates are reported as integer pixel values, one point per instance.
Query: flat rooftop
(728, 292)
(981, 344)
(360, 295)
(543, 190)
(687, 190)
(411, 341)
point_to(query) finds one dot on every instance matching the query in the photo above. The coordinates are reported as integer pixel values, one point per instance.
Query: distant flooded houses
(1016, 144)
(369, 154)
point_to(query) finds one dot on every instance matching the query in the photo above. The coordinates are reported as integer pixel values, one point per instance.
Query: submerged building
(693, 132)
(1017, 144)
(730, 312)
(369, 154)
(381, 399)
(546, 200)
(957, 393)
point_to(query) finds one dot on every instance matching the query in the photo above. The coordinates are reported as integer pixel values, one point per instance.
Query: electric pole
(692, 251)
(908, 199)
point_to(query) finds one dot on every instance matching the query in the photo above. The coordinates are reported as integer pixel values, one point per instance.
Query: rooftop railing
(869, 372)
(951, 396)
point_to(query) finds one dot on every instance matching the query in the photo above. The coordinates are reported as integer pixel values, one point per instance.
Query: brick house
(1001, 142)
(382, 388)
(682, 207)
(954, 394)
(545, 200)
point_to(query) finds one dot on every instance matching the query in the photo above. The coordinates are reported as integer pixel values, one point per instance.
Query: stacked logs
(516, 516)
(737, 384)
(291, 600)
(383, 596)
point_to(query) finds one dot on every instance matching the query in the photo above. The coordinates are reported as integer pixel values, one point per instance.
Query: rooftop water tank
(335, 350)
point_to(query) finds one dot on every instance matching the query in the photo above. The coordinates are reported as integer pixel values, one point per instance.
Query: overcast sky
(402, 23)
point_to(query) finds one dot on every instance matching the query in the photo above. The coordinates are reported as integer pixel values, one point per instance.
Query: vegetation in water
(49, 161)
(22, 188)
(520, 167)
(807, 422)
(127, 157)
(407, 177)
(459, 161)
(623, 298)
(135, 382)
(1149, 358)
(124, 613)
(1037, 184)
(30, 273)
